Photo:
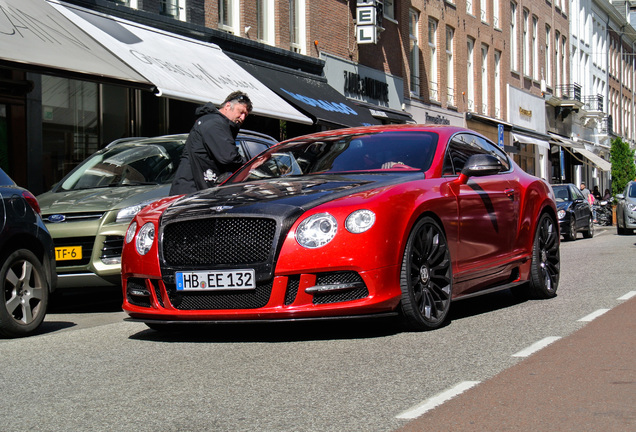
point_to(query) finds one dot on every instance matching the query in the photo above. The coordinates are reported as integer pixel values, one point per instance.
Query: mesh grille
(137, 284)
(220, 300)
(340, 296)
(218, 241)
(293, 282)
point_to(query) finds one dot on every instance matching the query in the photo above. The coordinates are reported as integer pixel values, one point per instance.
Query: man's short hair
(239, 97)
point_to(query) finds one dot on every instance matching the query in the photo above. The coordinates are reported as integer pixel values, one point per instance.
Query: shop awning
(178, 67)
(526, 139)
(383, 113)
(573, 147)
(601, 163)
(312, 96)
(35, 36)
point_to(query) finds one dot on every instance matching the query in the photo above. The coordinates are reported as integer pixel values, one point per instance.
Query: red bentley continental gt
(370, 221)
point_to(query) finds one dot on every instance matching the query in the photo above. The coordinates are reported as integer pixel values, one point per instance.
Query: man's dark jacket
(210, 151)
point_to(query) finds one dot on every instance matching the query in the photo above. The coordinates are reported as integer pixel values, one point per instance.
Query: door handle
(510, 193)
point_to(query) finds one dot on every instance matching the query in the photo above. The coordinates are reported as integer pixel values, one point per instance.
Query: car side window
(461, 147)
(576, 194)
(494, 150)
(253, 148)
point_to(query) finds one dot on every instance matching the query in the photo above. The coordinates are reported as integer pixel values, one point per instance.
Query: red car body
(446, 226)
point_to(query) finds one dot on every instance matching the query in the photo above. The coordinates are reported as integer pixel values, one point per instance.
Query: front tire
(426, 277)
(546, 260)
(589, 233)
(571, 234)
(25, 294)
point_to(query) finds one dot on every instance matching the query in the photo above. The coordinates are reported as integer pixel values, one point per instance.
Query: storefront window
(69, 124)
(525, 158)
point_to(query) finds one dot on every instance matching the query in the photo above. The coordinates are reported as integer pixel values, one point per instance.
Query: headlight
(317, 230)
(130, 233)
(561, 214)
(631, 207)
(145, 238)
(359, 221)
(126, 214)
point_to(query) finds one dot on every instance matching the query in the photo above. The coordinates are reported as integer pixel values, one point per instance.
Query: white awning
(35, 36)
(574, 147)
(601, 163)
(525, 139)
(179, 67)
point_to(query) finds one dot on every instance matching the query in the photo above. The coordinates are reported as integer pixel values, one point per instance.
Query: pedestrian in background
(210, 154)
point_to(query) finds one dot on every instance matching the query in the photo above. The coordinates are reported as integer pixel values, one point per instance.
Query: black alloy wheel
(426, 277)
(546, 260)
(25, 294)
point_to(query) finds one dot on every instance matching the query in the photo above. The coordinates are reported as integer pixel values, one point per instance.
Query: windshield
(561, 193)
(128, 164)
(404, 151)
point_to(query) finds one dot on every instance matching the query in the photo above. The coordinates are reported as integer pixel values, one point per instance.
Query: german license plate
(216, 280)
(68, 253)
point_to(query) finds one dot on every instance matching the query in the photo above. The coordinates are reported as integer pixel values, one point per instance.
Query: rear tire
(546, 260)
(426, 277)
(25, 294)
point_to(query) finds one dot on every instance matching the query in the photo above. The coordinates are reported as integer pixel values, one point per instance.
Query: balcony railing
(433, 93)
(593, 103)
(569, 91)
(450, 96)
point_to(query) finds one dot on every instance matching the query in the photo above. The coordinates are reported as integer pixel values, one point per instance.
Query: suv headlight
(317, 230)
(127, 213)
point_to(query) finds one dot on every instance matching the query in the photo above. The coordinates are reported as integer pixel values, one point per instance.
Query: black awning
(311, 95)
(389, 114)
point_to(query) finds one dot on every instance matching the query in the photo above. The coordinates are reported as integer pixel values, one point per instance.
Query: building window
(484, 79)
(432, 45)
(482, 7)
(226, 15)
(173, 8)
(389, 9)
(495, 14)
(514, 65)
(470, 75)
(414, 51)
(535, 48)
(525, 55)
(557, 64)
(450, 70)
(548, 55)
(130, 3)
(297, 25)
(265, 20)
(469, 7)
(498, 112)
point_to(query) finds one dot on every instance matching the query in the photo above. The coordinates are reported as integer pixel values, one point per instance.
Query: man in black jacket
(210, 152)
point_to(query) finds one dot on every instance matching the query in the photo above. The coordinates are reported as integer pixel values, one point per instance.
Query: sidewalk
(583, 382)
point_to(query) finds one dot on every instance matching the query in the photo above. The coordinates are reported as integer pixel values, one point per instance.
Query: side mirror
(620, 196)
(481, 165)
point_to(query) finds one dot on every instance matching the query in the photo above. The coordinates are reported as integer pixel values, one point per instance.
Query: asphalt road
(89, 370)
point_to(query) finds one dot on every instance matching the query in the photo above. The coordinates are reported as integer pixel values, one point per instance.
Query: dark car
(28, 264)
(88, 211)
(626, 210)
(575, 213)
(389, 220)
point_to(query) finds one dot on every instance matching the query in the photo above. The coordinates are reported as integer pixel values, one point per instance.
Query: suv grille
(218, 241)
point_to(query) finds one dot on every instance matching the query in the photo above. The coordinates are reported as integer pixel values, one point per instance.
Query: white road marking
(628, 295)
(536, 346)
(437, 400)
(593, 315)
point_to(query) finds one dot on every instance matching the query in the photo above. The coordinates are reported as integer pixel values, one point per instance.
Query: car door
(581, 207)
(487, 209)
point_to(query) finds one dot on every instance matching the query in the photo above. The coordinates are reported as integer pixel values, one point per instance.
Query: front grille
(218, 241)
(293, 282)
(345, 277)
(87, 249)
(257, 298)
(113, 246)
(74, 217)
